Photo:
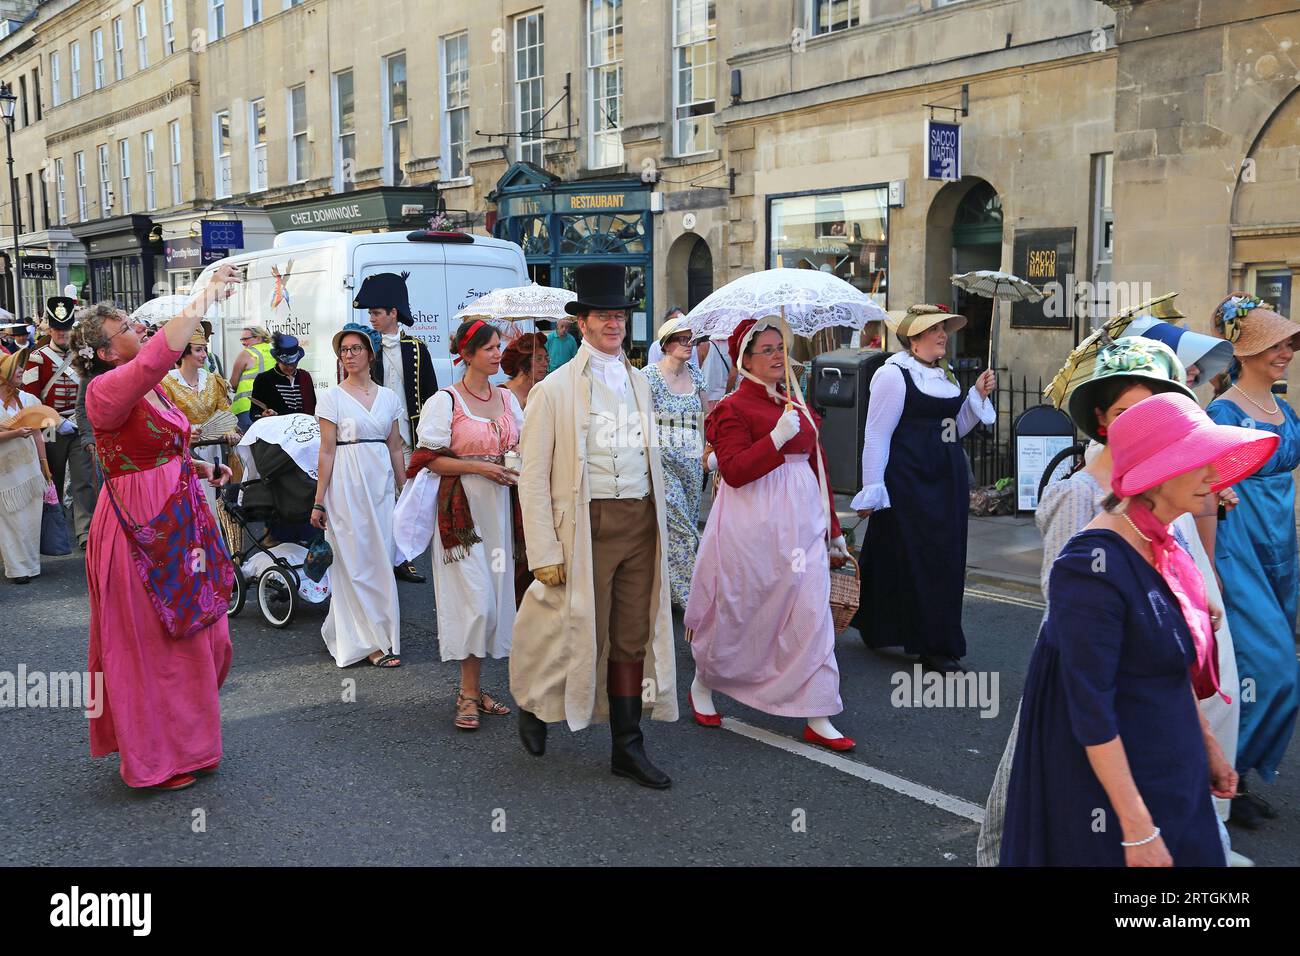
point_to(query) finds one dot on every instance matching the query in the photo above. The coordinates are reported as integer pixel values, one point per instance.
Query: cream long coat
(554, 670)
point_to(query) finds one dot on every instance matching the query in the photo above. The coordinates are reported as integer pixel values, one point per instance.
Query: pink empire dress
(760, 594)
(160, 709)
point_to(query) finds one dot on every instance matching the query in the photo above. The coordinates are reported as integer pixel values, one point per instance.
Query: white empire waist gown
(364, 615)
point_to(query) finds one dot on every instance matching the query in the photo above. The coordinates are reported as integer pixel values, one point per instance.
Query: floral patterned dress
(679, 419)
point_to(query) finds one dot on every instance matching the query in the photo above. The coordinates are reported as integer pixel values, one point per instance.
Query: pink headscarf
(1184, 579)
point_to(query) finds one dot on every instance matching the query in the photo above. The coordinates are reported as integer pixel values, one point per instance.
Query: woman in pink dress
(159, 708)
(760, 595)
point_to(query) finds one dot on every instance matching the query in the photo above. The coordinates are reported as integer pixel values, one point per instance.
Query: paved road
(309, 779)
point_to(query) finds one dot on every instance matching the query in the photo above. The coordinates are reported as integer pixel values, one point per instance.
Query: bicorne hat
(599, 287)
(385, 290)
(59, 309)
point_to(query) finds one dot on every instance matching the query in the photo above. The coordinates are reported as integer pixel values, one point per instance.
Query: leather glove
(552, 575)
(787, 426)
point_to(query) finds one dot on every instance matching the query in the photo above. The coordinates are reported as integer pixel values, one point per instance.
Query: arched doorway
(699, 274)
(964, 233)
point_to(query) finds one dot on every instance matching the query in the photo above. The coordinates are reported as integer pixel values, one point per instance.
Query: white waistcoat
(617, 466)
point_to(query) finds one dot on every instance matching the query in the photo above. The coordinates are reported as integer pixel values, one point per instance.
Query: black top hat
(58, 309)
(385, 290)
(599, 287)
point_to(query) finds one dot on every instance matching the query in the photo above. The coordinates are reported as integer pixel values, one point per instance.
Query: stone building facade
(1148, 144)
(1207, 150)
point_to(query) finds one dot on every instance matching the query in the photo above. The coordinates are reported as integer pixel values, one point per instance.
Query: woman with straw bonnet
(677, 390)
(1255, 549)
(760, 597)
(1114, 764)
(916, 492)
(23, 475)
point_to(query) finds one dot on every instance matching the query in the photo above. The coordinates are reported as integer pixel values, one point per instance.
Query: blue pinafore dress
(914, 552)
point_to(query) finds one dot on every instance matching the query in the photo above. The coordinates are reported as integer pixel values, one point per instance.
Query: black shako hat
(599, 287)
(58, 309)
(385, 290)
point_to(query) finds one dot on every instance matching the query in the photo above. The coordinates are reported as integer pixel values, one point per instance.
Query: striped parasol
(1079, 363)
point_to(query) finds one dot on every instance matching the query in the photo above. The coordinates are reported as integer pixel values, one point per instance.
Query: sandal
(388, 660)
(466, 721)
(486, 705)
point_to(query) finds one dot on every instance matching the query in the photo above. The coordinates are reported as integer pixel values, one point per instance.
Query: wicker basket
(846, 590)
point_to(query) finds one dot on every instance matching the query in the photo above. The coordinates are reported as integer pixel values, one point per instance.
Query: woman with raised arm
(158, 576)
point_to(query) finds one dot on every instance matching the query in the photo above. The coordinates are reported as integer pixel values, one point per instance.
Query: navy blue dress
(914, 551)
(1112, 658)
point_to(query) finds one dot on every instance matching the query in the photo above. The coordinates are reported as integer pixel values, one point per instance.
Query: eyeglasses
(353, 350)
(678, 340)
(770, 350)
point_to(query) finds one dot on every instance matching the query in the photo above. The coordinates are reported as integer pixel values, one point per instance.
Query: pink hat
(1168, 435)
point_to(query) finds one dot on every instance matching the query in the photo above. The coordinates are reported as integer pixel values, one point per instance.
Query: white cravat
(610, 368)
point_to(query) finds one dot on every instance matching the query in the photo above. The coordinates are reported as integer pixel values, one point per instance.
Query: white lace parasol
(515, 309)
(812, 300)
(160, 310)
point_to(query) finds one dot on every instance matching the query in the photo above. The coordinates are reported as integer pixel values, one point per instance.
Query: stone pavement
(1004, 550)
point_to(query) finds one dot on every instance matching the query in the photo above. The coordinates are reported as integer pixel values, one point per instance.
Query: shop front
(366, 210)
(125, 256)
(562, 225)
(841, 231)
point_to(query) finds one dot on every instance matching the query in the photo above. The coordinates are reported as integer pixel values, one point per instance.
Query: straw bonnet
(1251, 325)
(678, 323)
(12, 361)
(921, 317)
(1165, 436)
(1142, 361)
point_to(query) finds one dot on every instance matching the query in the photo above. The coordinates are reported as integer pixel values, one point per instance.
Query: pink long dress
(160, 708)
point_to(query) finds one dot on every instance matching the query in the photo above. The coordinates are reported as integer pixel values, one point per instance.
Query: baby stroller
(279, 456)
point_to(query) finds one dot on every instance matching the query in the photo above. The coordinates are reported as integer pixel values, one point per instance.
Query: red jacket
(740, 430)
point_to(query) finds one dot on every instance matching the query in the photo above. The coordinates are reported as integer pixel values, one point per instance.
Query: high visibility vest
(244, 388)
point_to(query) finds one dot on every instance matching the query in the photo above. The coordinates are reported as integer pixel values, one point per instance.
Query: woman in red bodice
(160, 641)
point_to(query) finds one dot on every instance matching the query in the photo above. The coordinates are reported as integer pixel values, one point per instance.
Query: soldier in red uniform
(51, 378)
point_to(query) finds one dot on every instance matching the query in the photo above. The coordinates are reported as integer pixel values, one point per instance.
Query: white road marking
(917, 791)
(1005, 599)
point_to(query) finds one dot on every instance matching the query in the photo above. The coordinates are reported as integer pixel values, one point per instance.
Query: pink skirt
(760, 597)
(160, 710)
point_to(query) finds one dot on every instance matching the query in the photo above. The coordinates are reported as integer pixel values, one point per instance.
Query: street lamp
(8, 102)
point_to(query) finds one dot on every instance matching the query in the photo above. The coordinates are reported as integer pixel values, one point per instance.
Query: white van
(305, 283)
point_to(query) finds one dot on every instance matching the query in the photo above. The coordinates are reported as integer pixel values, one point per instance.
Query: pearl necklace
(1136, 531)
(1267, 411)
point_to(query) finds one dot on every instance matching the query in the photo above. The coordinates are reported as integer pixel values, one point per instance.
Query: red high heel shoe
(204, 771)
(839, 743)
(178, 782)
(704, 720)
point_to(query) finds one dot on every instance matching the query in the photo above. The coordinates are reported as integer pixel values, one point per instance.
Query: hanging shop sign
(942, 151)
(37, 267)
(222, 234)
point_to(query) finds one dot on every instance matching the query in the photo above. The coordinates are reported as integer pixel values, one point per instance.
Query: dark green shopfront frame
(564, 225)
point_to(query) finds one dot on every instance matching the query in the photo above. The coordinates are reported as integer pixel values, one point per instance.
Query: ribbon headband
(469, 334)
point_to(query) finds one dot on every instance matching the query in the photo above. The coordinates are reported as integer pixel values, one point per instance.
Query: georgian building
(1132, 143)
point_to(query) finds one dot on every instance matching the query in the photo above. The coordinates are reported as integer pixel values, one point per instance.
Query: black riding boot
(629, 758)
(532, 731)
